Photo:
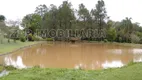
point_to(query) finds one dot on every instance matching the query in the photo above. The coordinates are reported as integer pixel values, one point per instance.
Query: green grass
(7, 47)
(130, 72)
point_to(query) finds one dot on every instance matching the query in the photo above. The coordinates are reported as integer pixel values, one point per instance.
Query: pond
(90, 56)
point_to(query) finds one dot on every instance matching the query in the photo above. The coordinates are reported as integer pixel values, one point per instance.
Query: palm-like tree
(128, 28)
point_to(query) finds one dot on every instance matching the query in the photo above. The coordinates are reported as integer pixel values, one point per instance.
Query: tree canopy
(66, 17)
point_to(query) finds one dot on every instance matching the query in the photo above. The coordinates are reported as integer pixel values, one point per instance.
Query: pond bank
(13, 47)
(123, 44)
(129, 72)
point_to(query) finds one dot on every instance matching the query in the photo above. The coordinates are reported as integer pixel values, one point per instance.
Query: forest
(66, 17)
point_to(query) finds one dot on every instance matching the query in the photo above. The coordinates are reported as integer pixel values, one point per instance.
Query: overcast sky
(117, 9)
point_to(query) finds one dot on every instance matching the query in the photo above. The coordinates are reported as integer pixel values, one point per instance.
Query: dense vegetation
(66, 17)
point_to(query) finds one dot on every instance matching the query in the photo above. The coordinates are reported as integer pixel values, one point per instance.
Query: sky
(116, 9)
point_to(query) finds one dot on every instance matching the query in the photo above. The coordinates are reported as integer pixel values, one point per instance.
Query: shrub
(37, 38)
(131, 63)
(120, 39)
(105, 40)
(22, 39)
(9, 68)
(140, 41)
(135, 38)
(36, 66)
(49, 39)
(111, 34)
(30, 37)
(139, 34)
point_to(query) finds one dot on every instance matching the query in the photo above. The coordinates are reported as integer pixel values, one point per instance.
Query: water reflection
(112, 64)
(78, 55)
(138, 58)
(115, 51)
(18, 63)
(137, 51)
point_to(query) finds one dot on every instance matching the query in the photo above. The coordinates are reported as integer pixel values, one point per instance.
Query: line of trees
(66, 17)
(9, 31)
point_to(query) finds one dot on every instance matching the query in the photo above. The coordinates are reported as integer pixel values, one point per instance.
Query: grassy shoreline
(9, 47)
(117, 43)
(129, 72)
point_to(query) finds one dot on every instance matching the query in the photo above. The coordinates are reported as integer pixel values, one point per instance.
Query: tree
(111, 30)
(13, 29)
(2, 18)
(2, 27)
(51, 18)
(99, 15)
(13, 23)
(41, 10)
(1, 36)
(32, 22)
(128, 26)
(65, 15)
(135, 38)
(83, 14)
(2, 23)
(128, 29)
(111, 34)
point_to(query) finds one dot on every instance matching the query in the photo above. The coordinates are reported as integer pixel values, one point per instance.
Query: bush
(120, 39)
(9, 68)
(37, 66)
(22, 39)
(105, 40)
(139, 34)
(135, 38)
(30, 37)
(140, 41)
(37, 38)
(49, 39)
(131, 63)
(111, 34)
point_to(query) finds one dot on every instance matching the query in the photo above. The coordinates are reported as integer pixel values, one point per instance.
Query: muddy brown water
(79, 55)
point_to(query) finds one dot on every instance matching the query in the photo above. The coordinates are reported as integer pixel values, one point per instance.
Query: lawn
(131, 72)
(8, 47)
